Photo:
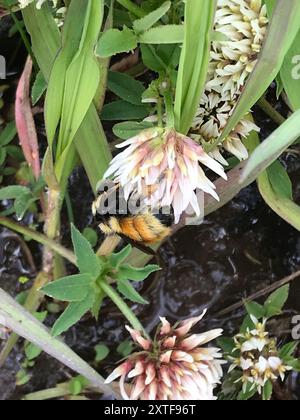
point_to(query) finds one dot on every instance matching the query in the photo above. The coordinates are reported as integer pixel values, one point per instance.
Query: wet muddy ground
(242, 248)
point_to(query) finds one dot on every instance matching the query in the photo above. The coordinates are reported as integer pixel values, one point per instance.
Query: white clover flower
(258, 358)
(24, 3)
(175, 366)
(243, 24)
(39, 3)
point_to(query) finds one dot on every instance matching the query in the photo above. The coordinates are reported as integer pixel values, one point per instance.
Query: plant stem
(51, 261)
(104, 65)
(108, 246)
(259, 294)
(32, 304)
(123, 307)
(69, 207)
(38, 237)
(169, 109)
(131, 7)
(159, 112)
(270, 111)
(61, 390)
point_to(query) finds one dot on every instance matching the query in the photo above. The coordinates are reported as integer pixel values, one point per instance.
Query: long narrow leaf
(15, 317)
(268, 151)
(45, 35)
(199, 18)
(90, 140)
(82, 76)
(71, 37)
(276, 189)
(284, 207)
(290, 73)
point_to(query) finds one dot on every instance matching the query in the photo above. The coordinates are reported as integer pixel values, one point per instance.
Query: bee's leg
(146, 249)
(138, 245)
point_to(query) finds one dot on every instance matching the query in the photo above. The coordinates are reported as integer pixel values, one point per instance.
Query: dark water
(242, 248)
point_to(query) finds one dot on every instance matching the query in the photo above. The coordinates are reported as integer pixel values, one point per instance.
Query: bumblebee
(131, 220)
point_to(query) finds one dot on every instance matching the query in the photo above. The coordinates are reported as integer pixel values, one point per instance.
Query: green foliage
(266, 154)
(90, 140)
(23, 197)
(83, 291)
(277, 43)
(125, 87)
(129, 129)
(91, 235)
(192, 74)
(126, 272)
(275, 303)
(145, 23)
(267, 391)
(87, 261)
(69, 289)
(74, 78)
(115, 41)
(247, 394)
(74, 312)
(161, 58)
(123, 110)
(38, 88)
(102, 351)
(165, 34)
(232, 387)
(78, 384)
(255, 309)
(127, 290)
(22, 377)
(125, 348)
(274, 183)
(290, 73)
(8, 150)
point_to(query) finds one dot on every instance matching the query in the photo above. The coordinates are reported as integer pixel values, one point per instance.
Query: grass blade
(290, 73)
(286, 208)
(82, 77)
(276, 189)
(45, 35)
(270, 150)
(57, 76)
(90, 140)
(15, 317)
(199, 19)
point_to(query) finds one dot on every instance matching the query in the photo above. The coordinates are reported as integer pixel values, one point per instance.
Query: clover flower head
(175, 365)
(169, 165)
(258, 357)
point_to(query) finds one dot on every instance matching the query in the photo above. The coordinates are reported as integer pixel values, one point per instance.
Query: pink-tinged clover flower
(174, 366)
(169, 165)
